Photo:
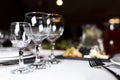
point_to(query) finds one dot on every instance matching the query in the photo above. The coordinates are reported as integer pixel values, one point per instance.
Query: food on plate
(85, 51)
(72, 52)
(95, 52)
(91, 53)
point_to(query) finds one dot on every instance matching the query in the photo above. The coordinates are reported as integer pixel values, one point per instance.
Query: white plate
(12, 54)
(116, 59)
(44, 52)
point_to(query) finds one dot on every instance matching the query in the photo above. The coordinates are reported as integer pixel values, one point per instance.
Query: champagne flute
(20, 40)
(40, 31)
(57, 29)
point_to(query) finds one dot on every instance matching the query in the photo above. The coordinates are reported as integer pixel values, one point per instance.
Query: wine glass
(2, 37)
(20, 40)
(40, 31)
(57, 29)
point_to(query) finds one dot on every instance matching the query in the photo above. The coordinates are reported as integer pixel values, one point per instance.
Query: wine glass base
(22, 70)
(53, 61)
(38, 65)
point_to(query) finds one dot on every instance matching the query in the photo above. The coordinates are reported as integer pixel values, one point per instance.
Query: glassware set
(36, 27)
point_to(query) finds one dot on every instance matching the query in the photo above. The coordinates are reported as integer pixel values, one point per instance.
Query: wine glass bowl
(56, 30)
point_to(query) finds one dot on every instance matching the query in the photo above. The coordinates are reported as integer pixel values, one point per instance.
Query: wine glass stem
(21, 62)
(52, 56)
(37, 58)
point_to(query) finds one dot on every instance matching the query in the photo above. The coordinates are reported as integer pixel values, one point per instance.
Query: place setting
(24, 48)
(25, 44)
(60, 39)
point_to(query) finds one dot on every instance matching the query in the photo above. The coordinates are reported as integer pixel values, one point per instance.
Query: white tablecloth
(66, 70)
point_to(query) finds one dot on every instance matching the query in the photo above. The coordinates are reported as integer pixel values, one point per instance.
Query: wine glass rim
(42, 13)
(55, 14)
(20, 23)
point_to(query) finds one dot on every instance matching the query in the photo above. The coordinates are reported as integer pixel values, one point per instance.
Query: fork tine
(90, 63)
(93, 63)
(98, 62)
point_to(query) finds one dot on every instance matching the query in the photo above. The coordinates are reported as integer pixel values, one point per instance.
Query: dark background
(75, 12)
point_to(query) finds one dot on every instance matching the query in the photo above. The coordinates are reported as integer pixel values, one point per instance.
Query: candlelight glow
(59, 2)
(114, 20)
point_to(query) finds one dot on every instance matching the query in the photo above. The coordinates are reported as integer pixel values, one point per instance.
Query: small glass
(20, 40)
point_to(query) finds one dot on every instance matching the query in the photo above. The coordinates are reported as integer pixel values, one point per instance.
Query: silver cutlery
(97, 63)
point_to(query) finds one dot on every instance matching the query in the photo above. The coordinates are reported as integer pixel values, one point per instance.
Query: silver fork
(96, 63)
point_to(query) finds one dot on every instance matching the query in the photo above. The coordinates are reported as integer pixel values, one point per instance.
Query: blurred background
(75, 13)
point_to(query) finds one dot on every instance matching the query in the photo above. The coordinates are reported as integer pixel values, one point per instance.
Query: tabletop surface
(66, 70)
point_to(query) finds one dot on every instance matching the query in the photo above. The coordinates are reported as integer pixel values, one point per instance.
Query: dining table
(67, 69)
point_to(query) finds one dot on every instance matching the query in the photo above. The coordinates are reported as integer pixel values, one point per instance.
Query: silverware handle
(113, 73)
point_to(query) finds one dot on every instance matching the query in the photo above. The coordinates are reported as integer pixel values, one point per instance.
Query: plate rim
(17, 57)
(114, 61)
